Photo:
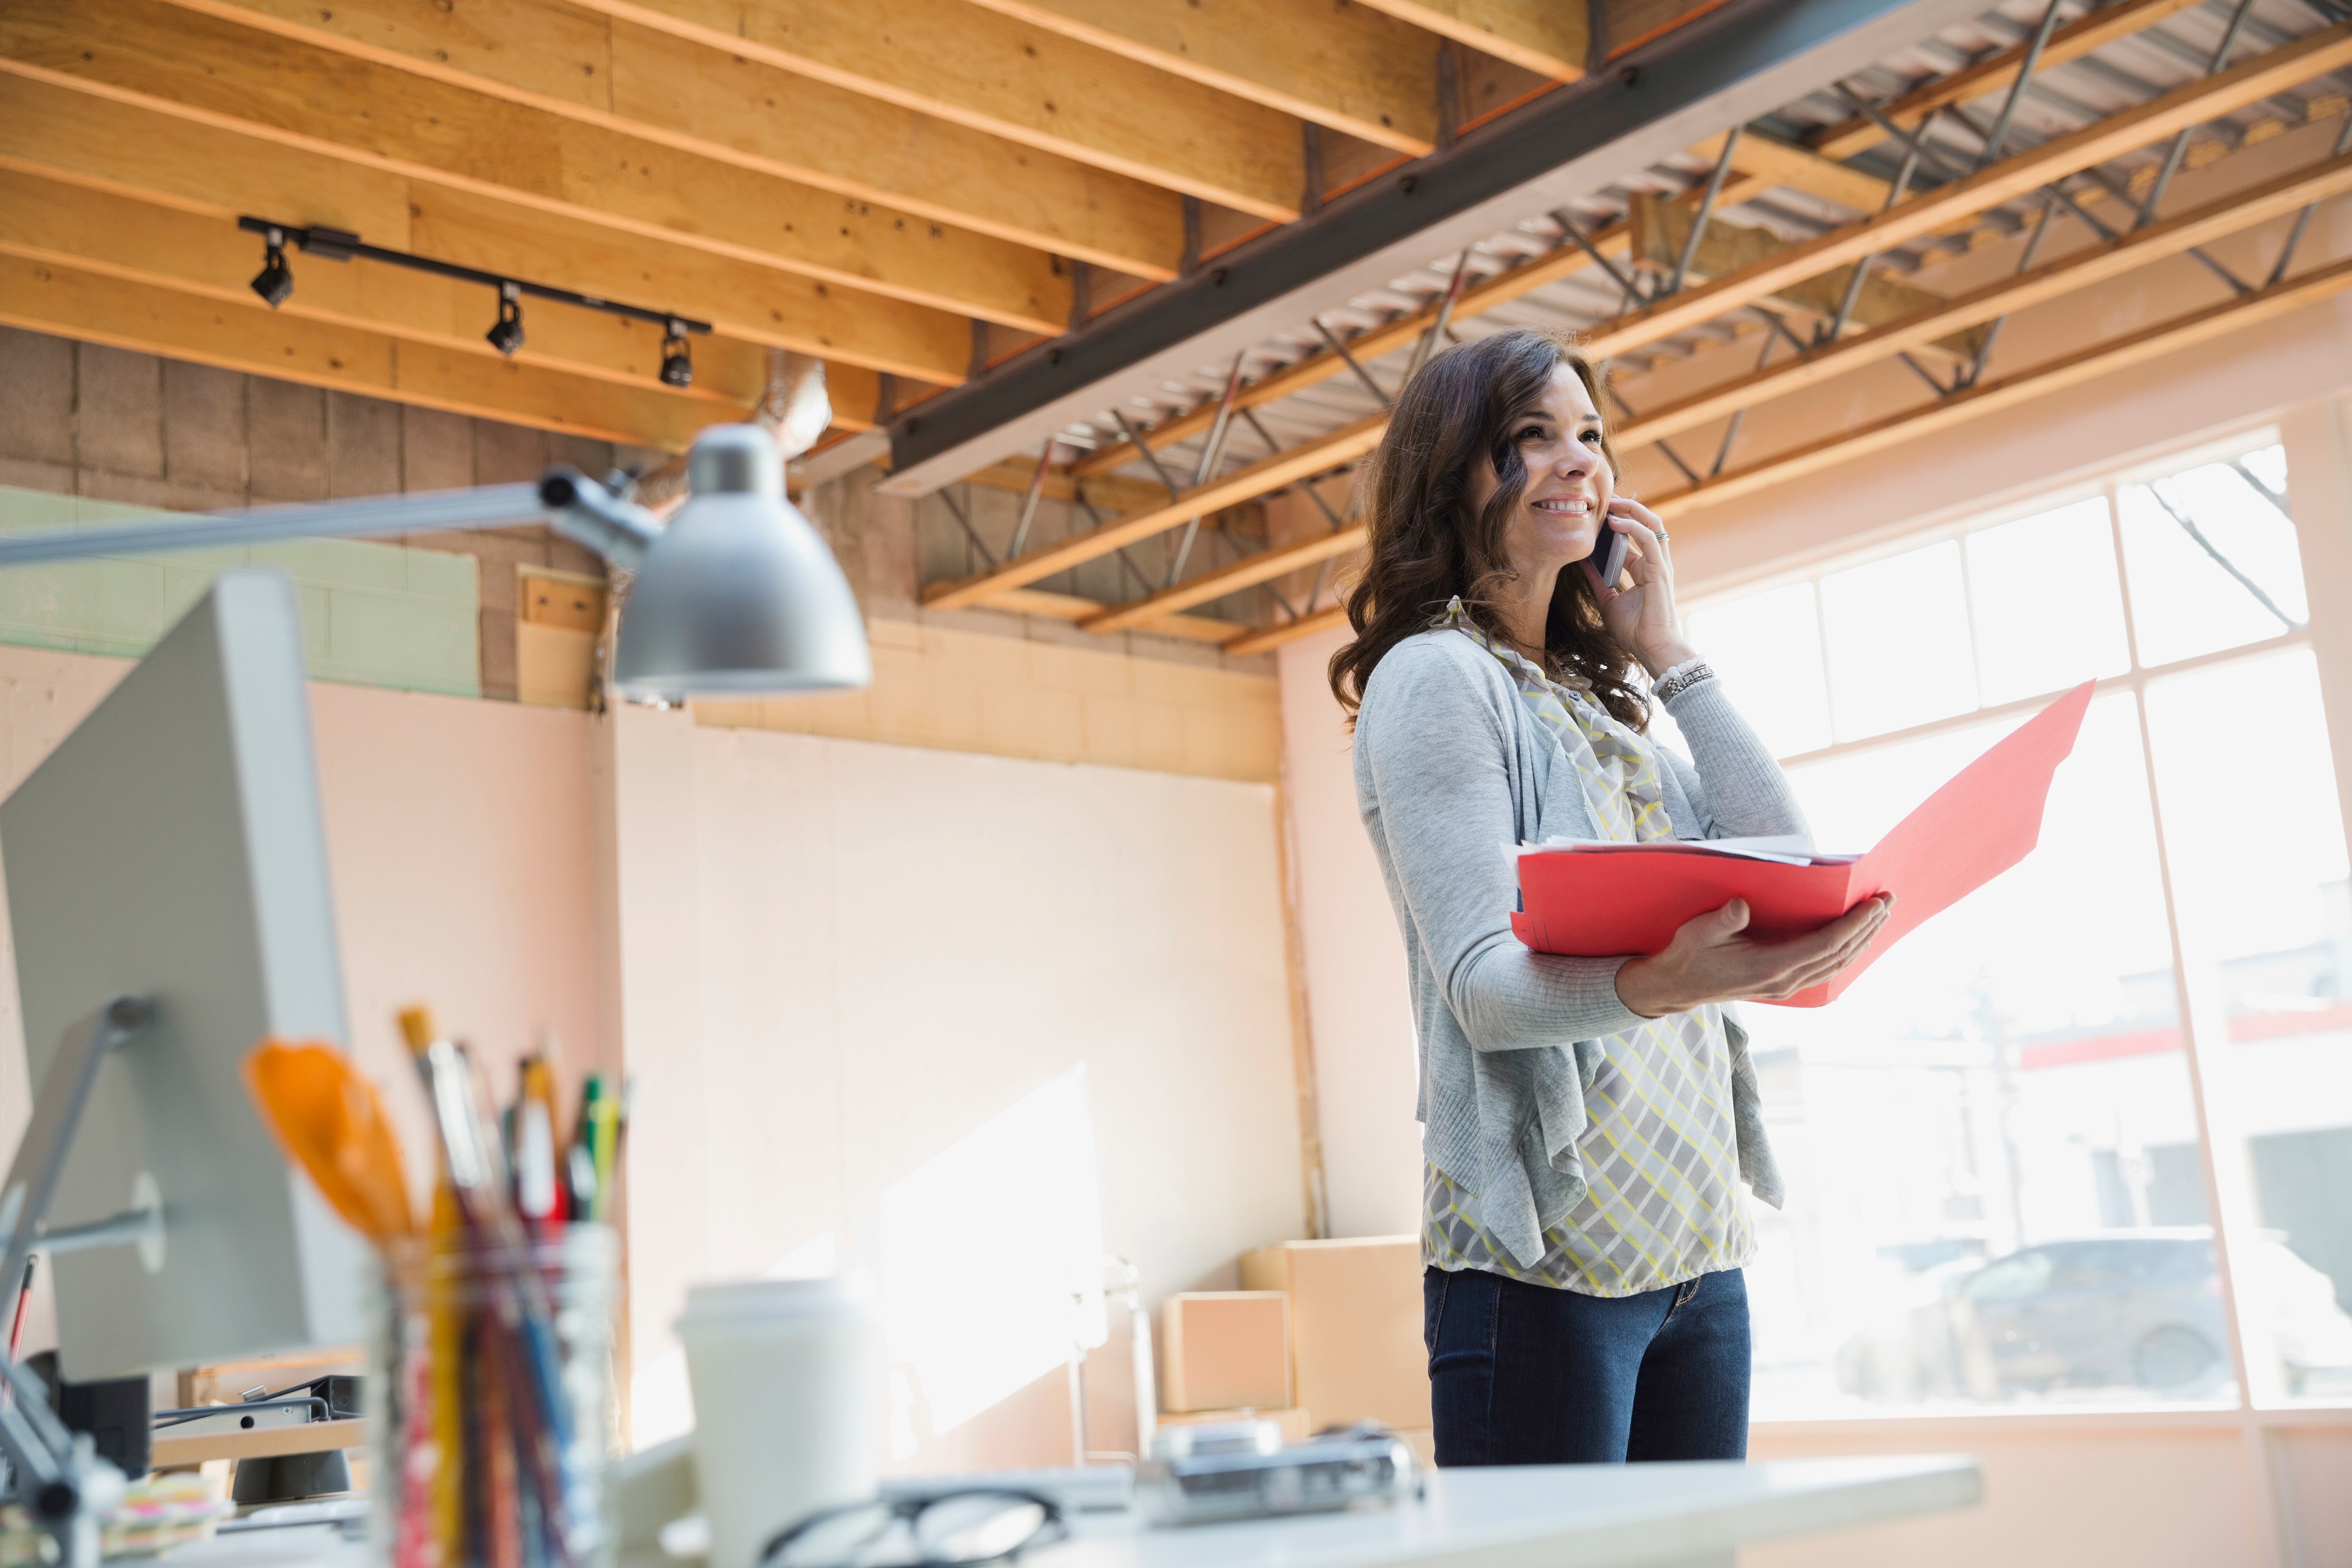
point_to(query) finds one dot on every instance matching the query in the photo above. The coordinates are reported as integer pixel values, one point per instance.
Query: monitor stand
(55, 1473)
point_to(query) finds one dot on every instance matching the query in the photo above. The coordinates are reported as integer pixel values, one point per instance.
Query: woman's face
(1568, 483)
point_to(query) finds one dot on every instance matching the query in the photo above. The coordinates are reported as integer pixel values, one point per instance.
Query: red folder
(1984, 820)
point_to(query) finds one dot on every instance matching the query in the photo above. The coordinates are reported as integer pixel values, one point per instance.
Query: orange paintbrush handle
(329, 1121)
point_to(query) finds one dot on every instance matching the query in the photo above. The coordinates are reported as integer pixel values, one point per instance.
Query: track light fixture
(274, 281)
(506, 335)
(677, 365)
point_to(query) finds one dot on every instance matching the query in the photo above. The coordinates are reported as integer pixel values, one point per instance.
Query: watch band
(1681, 679)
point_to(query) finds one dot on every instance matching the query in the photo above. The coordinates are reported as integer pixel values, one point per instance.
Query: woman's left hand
(1643, 617)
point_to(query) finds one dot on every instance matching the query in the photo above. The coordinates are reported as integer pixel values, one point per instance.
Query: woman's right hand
(1712, 959)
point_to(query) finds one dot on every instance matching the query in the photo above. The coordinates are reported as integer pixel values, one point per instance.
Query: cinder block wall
(110, 425)
(114, 428)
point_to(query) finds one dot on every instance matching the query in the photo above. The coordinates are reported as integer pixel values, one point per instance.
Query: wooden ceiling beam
(1071, 607)
(2125, 352)
(1547, 37)
(1761, 162)
(2314, 54)
(1771, 166)
(2133, 349)
(1771, 163)
(716, 105)
(118, 236)
(2082, 269)
(1246, 572)
(70, 136)
(69, 302)
(276, 89)
(1346, 66)
(2311, 54)
(1113, 493)
(954, 61)
(1368, 346)
(2071, 42)
(1266, 640)
(1268, 474)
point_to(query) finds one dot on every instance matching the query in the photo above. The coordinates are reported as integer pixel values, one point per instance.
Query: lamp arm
(586, 513)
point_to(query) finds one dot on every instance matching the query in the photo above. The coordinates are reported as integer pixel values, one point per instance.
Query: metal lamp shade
(739, 594)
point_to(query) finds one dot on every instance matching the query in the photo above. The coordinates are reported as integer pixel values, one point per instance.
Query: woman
(1586, 1120)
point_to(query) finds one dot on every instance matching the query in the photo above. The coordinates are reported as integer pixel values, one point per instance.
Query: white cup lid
(748, 1301)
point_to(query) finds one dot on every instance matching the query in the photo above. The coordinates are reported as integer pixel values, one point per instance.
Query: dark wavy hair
(1426, 545)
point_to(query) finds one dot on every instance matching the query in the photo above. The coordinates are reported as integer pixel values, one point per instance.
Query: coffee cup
(786, 1381)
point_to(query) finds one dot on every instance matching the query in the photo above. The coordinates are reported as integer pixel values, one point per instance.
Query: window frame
(2226, 1186)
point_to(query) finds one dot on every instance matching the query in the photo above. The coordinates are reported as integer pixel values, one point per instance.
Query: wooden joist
(1342, 445)
(1771, 163)
(69, 302)
(1761, 162)
(718, 104)
(2256, 79)
(283, 91)
(2080, 269)
(2085, 364)
(1265, 639)
(2122, 354)
(1346, 66)
(1542, 36)
(1112, 493)
(1246, 572)
(1071, 607)
(2070, 42)
(1661, 228)
(99, 143)
(2314, 54)
(1385, 339)
(952, 60)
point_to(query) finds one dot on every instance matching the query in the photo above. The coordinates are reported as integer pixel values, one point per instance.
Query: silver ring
(1662, 536)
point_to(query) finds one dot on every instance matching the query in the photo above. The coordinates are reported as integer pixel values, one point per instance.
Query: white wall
(914, 966)
(1362, 1015)
(457, 837)
(863, 990)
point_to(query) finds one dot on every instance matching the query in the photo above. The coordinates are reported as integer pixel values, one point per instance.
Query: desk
(1553, 1516)
(1586, 1516)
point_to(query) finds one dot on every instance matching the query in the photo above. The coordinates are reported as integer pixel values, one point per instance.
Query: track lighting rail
(275, 284)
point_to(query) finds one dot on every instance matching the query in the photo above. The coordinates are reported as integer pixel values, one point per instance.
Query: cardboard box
(1356, 1352)
(1225, 1349)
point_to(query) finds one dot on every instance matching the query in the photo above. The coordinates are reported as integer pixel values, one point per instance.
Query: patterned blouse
(1662, 1158)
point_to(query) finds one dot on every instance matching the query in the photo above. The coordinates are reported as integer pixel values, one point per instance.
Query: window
(1997, 1142)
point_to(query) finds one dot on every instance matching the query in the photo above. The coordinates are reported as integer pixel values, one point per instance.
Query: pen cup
(491, 1396)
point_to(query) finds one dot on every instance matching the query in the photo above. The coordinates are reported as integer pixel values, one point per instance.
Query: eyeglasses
(948, 1530)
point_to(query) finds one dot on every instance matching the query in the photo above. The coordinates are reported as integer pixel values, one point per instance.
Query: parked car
(2124, 1308)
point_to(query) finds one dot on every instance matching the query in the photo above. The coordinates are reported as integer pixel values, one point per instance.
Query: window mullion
(2222, 1197)
(2123, 581)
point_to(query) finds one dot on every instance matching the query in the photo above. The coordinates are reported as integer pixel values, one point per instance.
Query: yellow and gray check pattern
(1661, 1203)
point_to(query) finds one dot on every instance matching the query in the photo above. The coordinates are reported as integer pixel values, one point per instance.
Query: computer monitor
(172, 849)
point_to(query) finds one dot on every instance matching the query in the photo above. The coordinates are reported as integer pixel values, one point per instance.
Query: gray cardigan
(1451, 772)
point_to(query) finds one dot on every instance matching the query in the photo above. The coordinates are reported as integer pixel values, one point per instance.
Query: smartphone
(1608, 554)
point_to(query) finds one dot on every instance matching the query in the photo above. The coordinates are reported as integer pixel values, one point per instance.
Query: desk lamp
(736, 596)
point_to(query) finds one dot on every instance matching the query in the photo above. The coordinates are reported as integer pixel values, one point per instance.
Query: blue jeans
(1528, 1374)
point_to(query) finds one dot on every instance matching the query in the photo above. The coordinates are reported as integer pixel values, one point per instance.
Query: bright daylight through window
(1997, 1142)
